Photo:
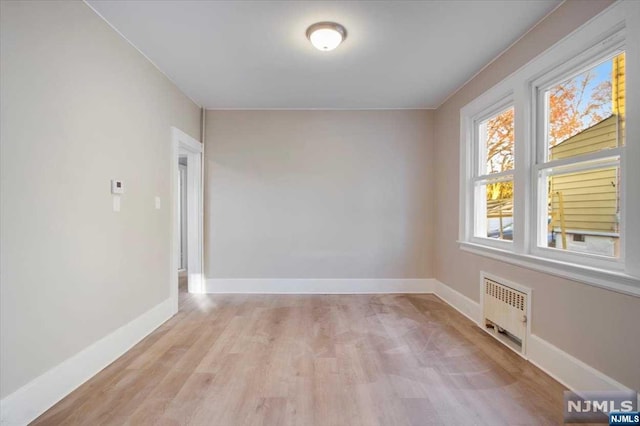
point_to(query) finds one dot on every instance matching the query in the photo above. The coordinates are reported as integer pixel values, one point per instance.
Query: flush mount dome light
(326, 36)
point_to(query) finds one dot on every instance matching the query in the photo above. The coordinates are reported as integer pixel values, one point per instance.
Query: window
(549, 161)
(494, 180)
(579, 173)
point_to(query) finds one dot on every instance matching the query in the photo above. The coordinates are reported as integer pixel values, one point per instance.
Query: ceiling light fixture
(326, 36)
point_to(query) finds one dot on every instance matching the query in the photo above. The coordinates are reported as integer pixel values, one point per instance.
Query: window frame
(607, 49)
(478, 179)
(616, 28)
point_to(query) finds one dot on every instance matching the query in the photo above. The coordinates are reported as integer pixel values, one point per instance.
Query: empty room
(319, 212)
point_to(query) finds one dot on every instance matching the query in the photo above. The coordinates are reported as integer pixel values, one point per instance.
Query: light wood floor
(315, 360)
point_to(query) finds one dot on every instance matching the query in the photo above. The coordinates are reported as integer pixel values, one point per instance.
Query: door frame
(184, 145)
(182, 209)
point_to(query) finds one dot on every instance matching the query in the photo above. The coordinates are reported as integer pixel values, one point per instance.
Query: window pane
(496, 143)
(586, 113)
(494, 210)
(584, 211)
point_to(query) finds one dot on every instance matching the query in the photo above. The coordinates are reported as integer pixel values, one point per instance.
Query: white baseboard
(563, 367)
(467, 307)
(319, 286)
(568, 370)
(37, 396)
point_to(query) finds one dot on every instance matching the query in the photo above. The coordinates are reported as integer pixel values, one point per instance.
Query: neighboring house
(588, 201)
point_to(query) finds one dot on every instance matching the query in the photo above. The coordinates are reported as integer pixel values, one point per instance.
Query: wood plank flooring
(315, 360)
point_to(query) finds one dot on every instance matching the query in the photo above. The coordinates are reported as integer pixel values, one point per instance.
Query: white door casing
(183, 145)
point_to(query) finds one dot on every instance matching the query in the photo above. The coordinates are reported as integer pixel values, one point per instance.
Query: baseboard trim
(319, 286)
(563, 367)
(37, 396)
(567, 369)
(458, 301)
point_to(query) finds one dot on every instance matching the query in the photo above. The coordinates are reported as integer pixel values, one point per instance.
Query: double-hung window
(493, 181)
(550, 159)
(580, 141)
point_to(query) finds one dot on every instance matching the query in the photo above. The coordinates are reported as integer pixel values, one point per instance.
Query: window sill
(610, 280)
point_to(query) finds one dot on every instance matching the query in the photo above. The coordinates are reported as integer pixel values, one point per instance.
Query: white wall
(597, 326)
(319, 194)
(80, 106)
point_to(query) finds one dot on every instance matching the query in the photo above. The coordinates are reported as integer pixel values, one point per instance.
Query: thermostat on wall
(117, 187)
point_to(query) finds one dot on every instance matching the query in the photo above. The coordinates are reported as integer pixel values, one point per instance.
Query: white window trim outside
(616, 26)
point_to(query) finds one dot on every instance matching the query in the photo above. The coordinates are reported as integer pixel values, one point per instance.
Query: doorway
(182, 223)
(186, 165)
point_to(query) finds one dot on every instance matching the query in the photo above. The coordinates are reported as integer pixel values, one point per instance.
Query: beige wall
(80, 106)
(319, 194)
(597, 326)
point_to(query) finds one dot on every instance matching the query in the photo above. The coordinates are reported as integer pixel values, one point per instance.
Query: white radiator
(505, 309)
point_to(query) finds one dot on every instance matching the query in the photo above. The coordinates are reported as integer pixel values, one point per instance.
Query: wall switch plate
(157, 202)
(117, 186)
(116, 203)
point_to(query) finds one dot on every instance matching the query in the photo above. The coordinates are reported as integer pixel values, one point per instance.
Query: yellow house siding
(601, 136)
(590, 200)
(618, 82)
(590, 197)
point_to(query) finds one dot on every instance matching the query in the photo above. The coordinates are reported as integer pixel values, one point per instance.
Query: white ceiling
(254, 54)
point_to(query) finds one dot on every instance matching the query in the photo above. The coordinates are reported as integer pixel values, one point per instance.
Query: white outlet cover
(116, 203)
(157, 202)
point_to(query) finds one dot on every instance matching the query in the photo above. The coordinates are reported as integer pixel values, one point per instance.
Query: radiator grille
(505, 294)
(505, 312)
